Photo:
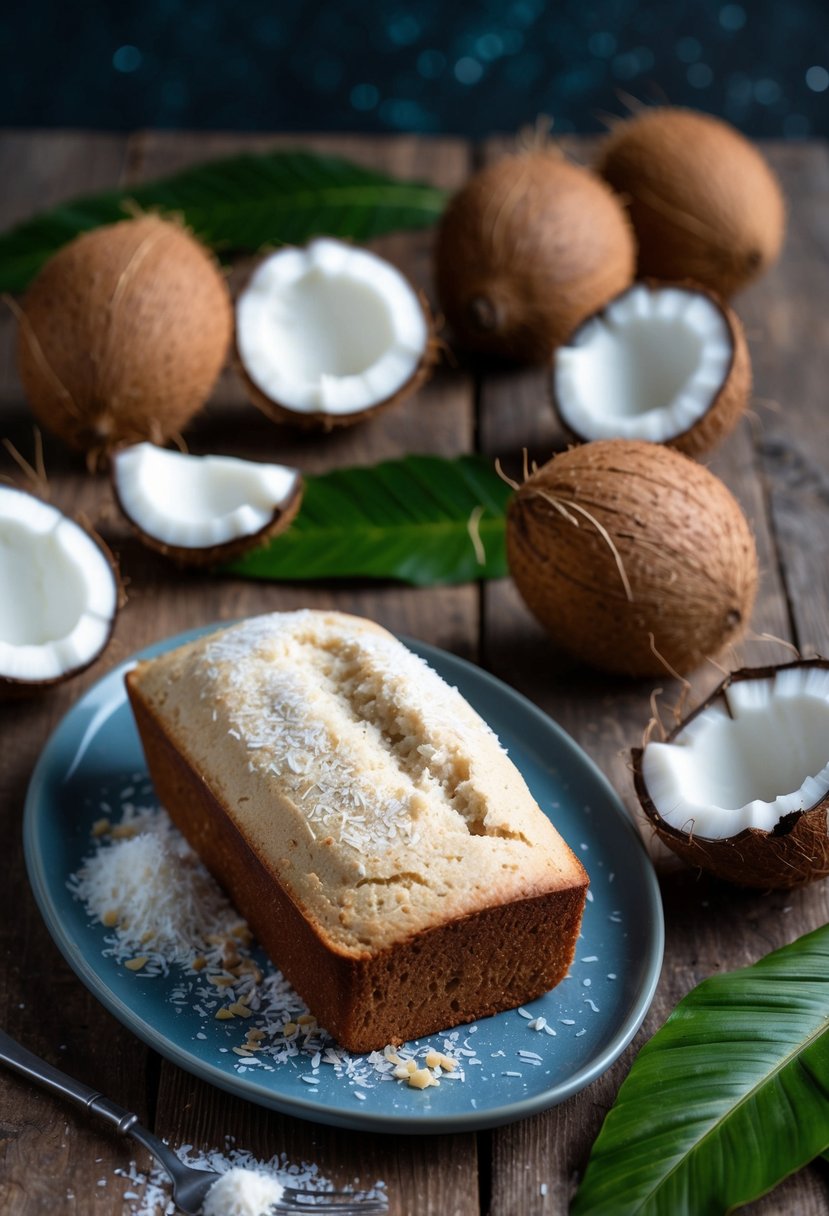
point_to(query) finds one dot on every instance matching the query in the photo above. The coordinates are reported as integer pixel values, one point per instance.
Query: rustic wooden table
(777, 463)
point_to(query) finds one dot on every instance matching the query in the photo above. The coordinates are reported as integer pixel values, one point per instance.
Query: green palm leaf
(238, 205)
(423, 520)
(729, 1097)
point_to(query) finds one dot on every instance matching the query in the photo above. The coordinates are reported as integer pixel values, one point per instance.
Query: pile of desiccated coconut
(243, 1185)
(165, 914)
(164, 911)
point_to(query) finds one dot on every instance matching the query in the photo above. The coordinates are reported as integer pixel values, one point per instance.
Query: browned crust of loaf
(214, 555)
(469, 968)
(322, 421)
(729, 404)
(794, 854)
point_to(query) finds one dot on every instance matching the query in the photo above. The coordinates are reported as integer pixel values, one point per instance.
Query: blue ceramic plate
(511, 1070)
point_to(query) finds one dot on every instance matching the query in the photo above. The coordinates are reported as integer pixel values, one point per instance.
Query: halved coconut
(59, 594)
(741, 787)
(664, 363)
(327, 334)
(201, 510)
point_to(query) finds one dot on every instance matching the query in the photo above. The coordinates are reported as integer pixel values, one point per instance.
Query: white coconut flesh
(199, 502)
(59, 593)
(648, 367)
(747, 763)
(329, 329)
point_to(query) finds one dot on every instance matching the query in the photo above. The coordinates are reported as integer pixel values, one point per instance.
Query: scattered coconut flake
(242, 1192)
(149, 1193)
(170, 905)
(165, 902)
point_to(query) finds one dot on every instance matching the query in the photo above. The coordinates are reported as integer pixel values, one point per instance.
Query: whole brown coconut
(703, 202)
(632, 556)
(792, 853)
(528, 249)
(123, 334)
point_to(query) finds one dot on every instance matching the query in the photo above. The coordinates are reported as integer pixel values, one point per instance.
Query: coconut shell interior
(727, 404)
(794, 854)
(216, 555)
(322, 421)
(324, 265)
(14, 686)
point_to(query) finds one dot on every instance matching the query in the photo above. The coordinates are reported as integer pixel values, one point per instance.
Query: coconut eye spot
(648, 367)
(755, 756)
(329, 329)
(59, 593)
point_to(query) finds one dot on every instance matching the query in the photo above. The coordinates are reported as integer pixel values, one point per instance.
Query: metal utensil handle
(29, 1065)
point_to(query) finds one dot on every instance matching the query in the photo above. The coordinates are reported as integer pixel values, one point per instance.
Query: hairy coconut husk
(632, 557)
(526, 250)
(727, 406)
(123, 334)
(794, 854)
(703, 202)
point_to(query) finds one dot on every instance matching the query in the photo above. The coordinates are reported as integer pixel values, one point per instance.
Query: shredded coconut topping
(365, 675)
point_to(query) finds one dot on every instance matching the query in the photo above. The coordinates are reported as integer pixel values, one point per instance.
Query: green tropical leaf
(423, 520)
(238, 205)
(727, 1099)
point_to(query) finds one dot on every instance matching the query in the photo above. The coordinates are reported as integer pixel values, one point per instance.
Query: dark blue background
(412, 65)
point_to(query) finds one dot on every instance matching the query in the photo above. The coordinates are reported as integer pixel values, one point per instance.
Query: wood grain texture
(41, 1002)
(776, 465)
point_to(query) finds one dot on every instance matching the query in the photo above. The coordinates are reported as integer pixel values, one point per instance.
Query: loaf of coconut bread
(365, 821)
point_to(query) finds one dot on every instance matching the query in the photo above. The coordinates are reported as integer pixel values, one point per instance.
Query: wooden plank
(440, 419)
(787, 314)
(41, 1001)
(607, 717)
